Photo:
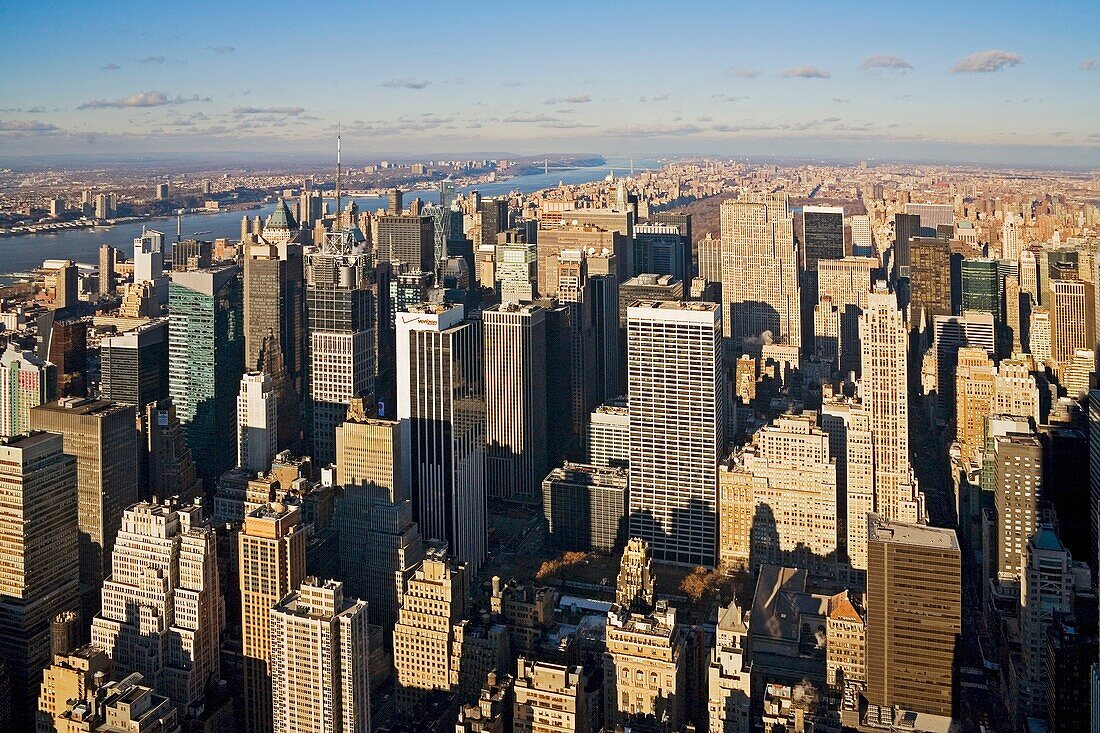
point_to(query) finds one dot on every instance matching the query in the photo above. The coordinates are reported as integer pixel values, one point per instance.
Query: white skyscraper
(163, 612)
(862, 244)
(257, 423)
(759, 272)
(677, 426)
(884, 389)
(1011, 241)
(441, 406)
(149, 262)
(320, 661)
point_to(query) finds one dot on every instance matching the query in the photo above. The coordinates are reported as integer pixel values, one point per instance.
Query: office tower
(682, 222)
(74, 675)
(39, 557)
(982, 287)
(395, 201)
(932, 216)
(826, 332)
(975, 386)
(165, 562)
(342, 357)
(848, 423)
(586, 506)
(1094, 469)
(884, 389)
(822, 235)
(149, 263)
(309, 209)
(650, 645)
(585, 238)
(162, 191)
(1071, 319)
(710, 259)
(604, 283)
(275, 334)
(408, 288)
(272, 563)
(406, 238)
(433, 604)
(380, 544)
(1039, 336)
(1046, 590)
(929, 280)
(551, 697)
(205, 360)
(1011, 237)
(167, 465)
(1016, 391)
(515, 399)
(1019, 489)
(607, 436)
(134, 364)
(257, 423)
(1029, 276)
(781, 507)
(659, 249)
(26, 381)
(515, 271)
(950, 333)
(494, 219)
(729, 673)
(107, 258)
(1017, 312)
(677, 427)
(913, 616)
(81, 699)
(64, 281)
(320, 661)
(102, 436)
(760, 273)
(845, 642)
(648, 286)
(104, 206)
(862, 243)
(575, 294)
(441, 406)
(191, 254)
(906, 226)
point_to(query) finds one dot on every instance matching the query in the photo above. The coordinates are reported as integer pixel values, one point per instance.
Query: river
(25, 252)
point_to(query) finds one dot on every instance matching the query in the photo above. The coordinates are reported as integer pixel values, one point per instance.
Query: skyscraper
(341, 334)
(822, 235)
(914, 610)
(552, 697)
(585, 506)
(107, 258)
(862, 243)
(515, 271)
(982, 287)
(406, 238)
(906, 226)
(1071, 318)
(494, 219)
(320, 661)
(929, 280)
(659, 249)
(134, 364)
(175, 643)
(1019, 490)
(39, 557)
(677, 427)
(272, 563)
(884, 389)
(103, 437)
(760, 273)
(932, 216)
(441, 406)
(1046, 590)
(26, 381)
(149, 263)
(515, 399)
(257, 423)
(205, 360)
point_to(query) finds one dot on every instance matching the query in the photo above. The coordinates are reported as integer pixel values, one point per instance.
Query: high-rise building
(205, 360)
(103, 437)
(74, 675)
(167, 465)
(862, 243)
(884, 389)
(107, 277)
(320, 661)
(515, 399)
(434, 603)
(682, 222)
(134, 364)
(576, 296)
(1011, 239)
(677, 427)
(710, 259)
(822, 235)
(607, 438)
(729, 675)
(441, 406)
(845, 642)
(395, 201)
(607, 332)
(906, 226)
(648, 286)
(39, 558)
(982, 287)
(275, 319)
(406, 238)
(848, 423)
(586, 238)
(1019, 489)
(914, 616)
(929, 280)
(586, 506)
(380, 544)
(760, 289)
(847, 282)
(515, 271)
(975, 386)
(342, 358)
(552, 697)
(1071, 319)
(271, 563)
(26, 381)
(659, 249)
(257, 418)
(780, 500)
(175, 643)
(95, 704)
(494, 219)
(951, 333)
(1046, 590)
(149, 263)
(932, 216)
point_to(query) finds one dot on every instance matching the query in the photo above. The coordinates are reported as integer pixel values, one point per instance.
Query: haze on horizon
(987, 83)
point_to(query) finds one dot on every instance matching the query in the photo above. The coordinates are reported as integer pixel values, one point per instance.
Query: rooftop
(919, 535)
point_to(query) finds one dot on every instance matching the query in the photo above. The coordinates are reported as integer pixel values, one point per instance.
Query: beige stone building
(553, 697)
(845, 642)
(729, 675)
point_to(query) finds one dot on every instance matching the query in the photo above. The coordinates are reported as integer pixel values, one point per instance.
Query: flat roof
(920, 535)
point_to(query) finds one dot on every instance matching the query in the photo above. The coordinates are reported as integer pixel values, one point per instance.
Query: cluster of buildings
(254, 482)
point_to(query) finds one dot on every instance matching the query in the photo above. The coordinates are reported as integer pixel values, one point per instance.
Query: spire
(339, 171)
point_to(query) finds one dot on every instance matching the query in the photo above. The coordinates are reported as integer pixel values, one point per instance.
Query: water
(25, 252)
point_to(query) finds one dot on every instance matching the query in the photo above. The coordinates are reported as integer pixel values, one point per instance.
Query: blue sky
(989, 82)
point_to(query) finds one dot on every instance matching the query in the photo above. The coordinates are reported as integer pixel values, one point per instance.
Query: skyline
(617, 78)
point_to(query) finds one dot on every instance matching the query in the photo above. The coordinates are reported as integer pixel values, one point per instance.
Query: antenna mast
(338, 172)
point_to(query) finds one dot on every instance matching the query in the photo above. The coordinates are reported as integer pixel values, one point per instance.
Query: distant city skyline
(615, 78)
